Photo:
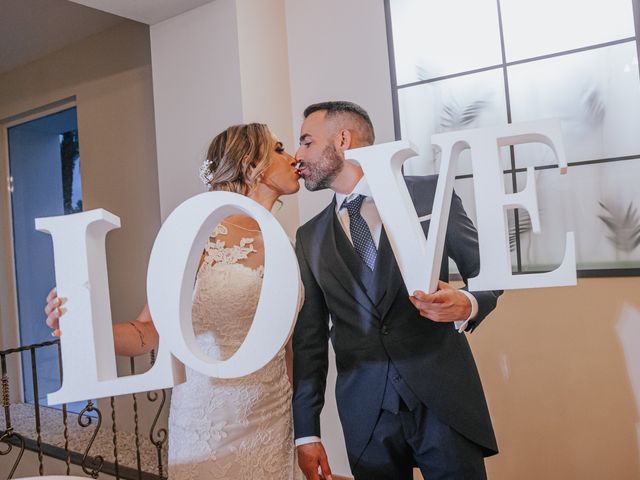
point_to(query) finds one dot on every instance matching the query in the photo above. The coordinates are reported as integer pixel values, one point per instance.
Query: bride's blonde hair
(237, 158)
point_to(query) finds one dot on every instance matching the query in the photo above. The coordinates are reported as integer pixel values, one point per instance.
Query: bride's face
(281, 175)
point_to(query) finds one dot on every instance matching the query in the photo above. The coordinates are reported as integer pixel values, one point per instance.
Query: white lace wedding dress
(237, 428)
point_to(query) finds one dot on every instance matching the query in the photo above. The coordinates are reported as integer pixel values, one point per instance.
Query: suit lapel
(333, 262)
(395, 283)
(384, 260)
(390, 274)
(351, 259)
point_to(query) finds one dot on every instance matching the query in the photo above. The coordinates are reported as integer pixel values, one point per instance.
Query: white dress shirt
(370, 215)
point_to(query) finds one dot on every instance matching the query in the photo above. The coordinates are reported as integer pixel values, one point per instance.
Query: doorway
(45, 180)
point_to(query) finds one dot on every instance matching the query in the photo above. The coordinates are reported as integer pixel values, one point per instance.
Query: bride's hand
(54, 310)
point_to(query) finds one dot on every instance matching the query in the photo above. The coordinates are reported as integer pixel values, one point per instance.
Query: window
(474, 63)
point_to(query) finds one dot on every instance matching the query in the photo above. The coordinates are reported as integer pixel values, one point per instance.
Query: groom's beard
(324, 172)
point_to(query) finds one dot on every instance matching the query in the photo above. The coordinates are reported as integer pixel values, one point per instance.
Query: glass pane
(464, 188)
(470, 101)
(596, 94)
(45, 166)
(548, 26)
(433, 38)
(599, 203)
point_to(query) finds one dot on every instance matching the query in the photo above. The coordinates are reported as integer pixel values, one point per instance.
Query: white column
(197, 93)
(264, 74)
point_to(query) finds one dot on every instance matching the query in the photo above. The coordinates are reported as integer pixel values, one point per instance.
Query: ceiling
(31, 29)
(144, 11)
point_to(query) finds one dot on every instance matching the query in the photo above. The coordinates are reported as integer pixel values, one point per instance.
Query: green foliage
(623, 225)
(69, 155)
(595, 108)
(454, 116)
(77, 208)
(524, 224)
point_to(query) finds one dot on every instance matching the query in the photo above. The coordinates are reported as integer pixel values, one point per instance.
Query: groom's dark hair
(359, 117)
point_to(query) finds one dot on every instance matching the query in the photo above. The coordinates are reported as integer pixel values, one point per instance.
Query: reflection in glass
(464, 188)
(595, 94)
(538, 28)
(432, 38)
(600, 203)
(70, 160)
(471, 101)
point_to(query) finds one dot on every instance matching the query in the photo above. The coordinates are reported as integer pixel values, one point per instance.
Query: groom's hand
(447, 304)
(312, 458)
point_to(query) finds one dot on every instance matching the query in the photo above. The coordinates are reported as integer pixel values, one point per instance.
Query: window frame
(514, 170)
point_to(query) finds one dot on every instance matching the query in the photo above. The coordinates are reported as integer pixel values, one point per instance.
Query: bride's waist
(273, 373)
(215, 340)
(221, 347)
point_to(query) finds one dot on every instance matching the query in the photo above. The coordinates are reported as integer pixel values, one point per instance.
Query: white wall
(264, 67)
(214, 66)
(196, 91)
(338, 51)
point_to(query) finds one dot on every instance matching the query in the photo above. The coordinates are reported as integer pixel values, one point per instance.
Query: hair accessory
(205, 173)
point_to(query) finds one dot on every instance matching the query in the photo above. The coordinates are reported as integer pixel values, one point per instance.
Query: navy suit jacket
(371, 327)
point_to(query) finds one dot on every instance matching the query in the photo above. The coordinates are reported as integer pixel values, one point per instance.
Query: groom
(408, 391)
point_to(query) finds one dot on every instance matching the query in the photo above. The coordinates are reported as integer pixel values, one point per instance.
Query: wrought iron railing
(12, 440)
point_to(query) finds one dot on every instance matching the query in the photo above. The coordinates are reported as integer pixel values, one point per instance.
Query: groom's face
(320, 161)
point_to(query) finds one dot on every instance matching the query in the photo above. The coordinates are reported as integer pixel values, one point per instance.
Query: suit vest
(375, 285)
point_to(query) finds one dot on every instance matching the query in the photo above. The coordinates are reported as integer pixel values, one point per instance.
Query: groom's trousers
(409, 434)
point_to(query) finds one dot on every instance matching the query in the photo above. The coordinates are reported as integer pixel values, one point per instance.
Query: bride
(227, 428)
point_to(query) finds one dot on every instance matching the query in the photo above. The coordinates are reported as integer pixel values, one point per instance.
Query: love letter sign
(88, 355)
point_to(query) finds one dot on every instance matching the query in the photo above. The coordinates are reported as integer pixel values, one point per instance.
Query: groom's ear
(344, 140)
